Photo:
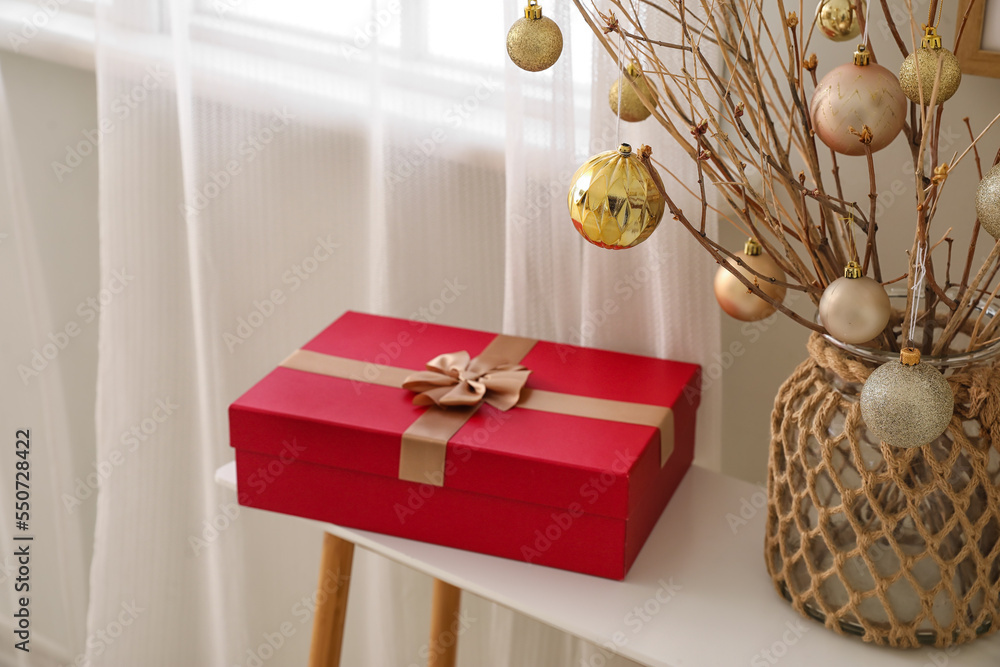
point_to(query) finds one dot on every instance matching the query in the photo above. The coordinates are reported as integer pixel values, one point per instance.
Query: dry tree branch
(678, 215)
(892, 28)
(731, 88)
(976, 226)
(955, 322)
(871, 248)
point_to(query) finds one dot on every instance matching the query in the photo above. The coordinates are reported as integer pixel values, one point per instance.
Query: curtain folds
(253, 190)
(655, 299)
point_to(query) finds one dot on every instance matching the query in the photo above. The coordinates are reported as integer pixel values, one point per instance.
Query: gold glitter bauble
(614, 201)
(534, 42)
(632, 109)
(926, 60)
(906, 403)
(838, 20)
(733, 296)
(988, 202)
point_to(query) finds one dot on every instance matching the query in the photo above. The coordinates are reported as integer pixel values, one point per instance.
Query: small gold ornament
(734, 297)
(988, 202)
(838, 20)
(906, 403)
(926, 59)
(632, 108)
(614, 199)
(535, 41)
(854, 309)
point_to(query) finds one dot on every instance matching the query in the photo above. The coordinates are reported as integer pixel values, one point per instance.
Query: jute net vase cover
(898, 546)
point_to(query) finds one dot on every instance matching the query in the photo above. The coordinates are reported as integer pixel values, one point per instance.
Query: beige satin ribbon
(424, 443)
(455, 380)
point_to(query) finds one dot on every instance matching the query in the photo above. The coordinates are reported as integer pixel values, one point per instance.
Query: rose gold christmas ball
(854, 96)
(734, 297)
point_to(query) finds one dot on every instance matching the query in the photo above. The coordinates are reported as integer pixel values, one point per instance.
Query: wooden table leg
(331, 601)
(444, 625)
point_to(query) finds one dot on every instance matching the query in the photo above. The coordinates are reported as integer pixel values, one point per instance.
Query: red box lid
(525, 455)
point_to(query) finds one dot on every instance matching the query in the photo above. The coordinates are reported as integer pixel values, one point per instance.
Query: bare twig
(732, 92)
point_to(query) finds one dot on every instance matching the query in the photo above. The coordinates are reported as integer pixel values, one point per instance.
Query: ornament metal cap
(909, 356)
(533, 11)
(625, 149)
(852, 270)
(861, 56)
(931, 39)
(632, 70)
(752, 248)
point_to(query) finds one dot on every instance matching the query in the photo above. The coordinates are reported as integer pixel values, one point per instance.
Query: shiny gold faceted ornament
(988, 202)
(926, 60)
(535, 41)
(614, 200)
(906, 403)
(733, 296)
(632, 108)
(838, 20)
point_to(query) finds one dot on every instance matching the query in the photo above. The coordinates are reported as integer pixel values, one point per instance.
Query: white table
(698, 595)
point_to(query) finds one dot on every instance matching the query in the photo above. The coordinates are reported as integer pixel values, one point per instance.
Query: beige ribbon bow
(456, 380)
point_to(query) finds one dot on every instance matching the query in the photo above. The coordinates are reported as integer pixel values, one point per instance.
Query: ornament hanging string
(868, 16)
(849, 222)
(934, 8)
(920, 272)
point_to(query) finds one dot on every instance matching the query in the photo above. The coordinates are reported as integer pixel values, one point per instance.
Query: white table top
(698, 595)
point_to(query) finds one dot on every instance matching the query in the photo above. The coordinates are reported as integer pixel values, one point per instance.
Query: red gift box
(574, 476)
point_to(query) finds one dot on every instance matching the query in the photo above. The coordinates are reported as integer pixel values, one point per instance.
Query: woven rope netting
(900, 546)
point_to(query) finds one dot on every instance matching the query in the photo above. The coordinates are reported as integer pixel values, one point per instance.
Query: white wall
(50, 106)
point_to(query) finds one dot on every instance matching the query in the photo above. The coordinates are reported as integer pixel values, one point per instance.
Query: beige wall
(767, 357)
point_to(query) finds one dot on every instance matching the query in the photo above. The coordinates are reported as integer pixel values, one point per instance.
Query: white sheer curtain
(655, 299)
(265, 166)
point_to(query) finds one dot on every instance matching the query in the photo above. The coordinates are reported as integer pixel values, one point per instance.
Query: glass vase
(898, 546)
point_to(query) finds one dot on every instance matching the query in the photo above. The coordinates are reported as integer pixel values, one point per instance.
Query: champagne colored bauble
(837, 19)
(734, 297)
(632, 108)
(906, 403)
(988, 202)
(855, 95)
(534, 42)
(614, 201)
(854, 309)
(926, 60)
